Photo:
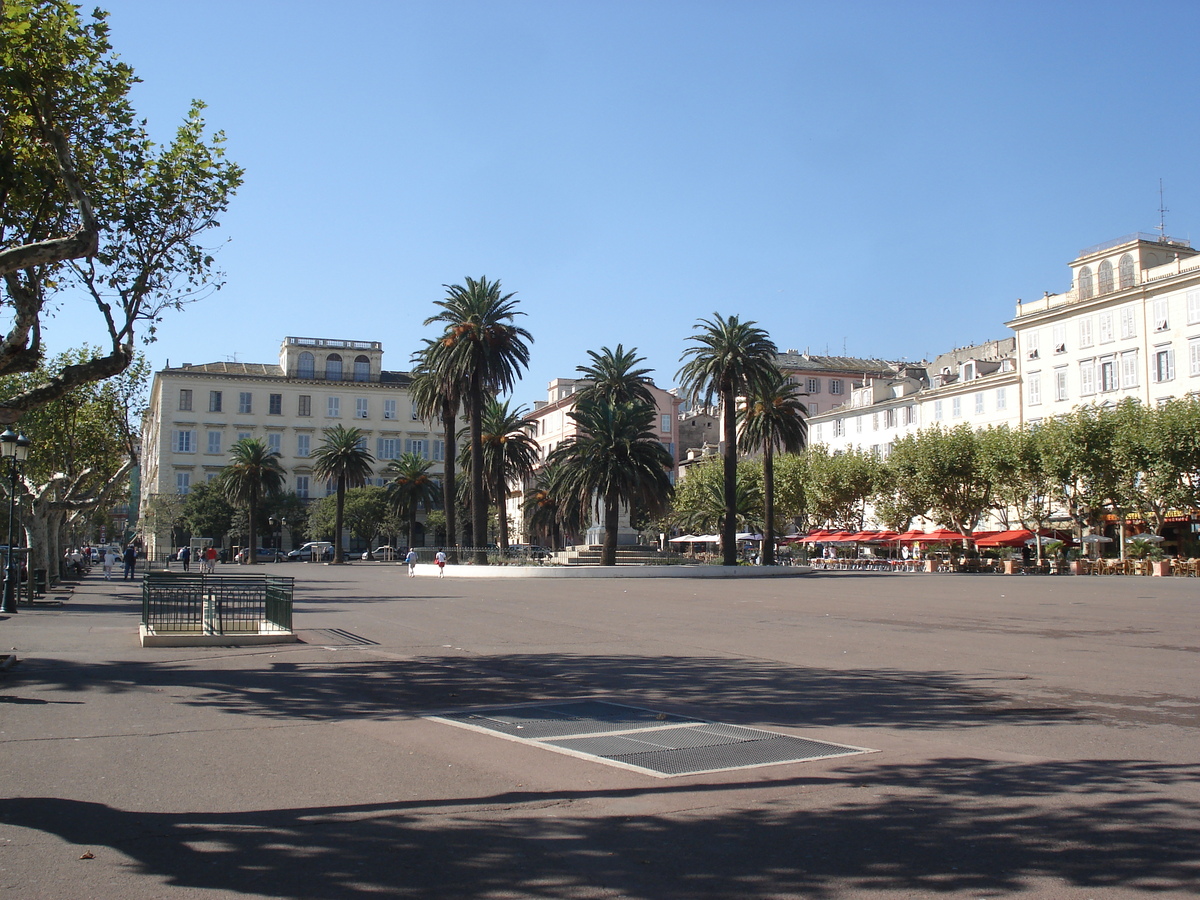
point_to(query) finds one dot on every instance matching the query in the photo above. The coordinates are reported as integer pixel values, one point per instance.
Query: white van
(313, 551)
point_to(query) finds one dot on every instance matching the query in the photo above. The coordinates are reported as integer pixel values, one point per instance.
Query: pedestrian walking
(185, 556)
(210, 560)
(110, 560)
(130, 560)
(440, 559)
(411, 559)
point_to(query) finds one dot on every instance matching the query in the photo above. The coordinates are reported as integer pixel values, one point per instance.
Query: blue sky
(883, 179)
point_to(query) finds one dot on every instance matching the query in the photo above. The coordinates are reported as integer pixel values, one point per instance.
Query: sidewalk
(1036, 737)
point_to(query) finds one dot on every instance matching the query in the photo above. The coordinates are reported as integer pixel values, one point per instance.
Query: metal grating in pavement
(653, 742)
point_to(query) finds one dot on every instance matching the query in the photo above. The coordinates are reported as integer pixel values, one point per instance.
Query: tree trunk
(252, 532)
(768, 544)
(729, 526)
(479, 505)
(449, 496)
(337, 520)
(612, 519)
(502, 509)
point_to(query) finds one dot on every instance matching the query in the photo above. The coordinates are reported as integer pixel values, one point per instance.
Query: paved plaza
(1030, 736)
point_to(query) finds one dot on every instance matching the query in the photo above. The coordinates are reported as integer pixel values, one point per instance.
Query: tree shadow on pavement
(947, 825)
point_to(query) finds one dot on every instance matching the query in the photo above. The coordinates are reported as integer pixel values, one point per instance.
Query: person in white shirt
(440, 559)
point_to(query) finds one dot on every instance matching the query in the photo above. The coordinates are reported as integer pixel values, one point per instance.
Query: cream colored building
(197, 412)
(1129, 326)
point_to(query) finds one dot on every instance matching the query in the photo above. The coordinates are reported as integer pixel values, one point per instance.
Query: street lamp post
(15, 449)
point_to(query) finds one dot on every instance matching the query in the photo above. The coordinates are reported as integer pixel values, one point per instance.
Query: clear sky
(880, 179)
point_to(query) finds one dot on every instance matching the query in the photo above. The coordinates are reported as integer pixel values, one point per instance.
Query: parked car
(385, 553)
(305, 553)
(263, 554)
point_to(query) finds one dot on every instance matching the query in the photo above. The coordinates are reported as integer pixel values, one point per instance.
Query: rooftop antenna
(1162, 211)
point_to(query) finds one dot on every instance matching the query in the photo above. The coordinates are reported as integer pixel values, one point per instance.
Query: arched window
(306, 366)
(1085, 283)
(1125, 271)
(362, 369)
(1105, 277)
(333, 367)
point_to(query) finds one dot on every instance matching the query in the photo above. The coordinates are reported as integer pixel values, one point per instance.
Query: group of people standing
(439, 559)
(128, 559)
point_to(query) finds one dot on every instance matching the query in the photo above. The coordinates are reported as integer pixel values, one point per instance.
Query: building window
(303, 445)
(1033, 345)
(666, 424)
(185, 400)
(1125, 271)
(185, 441)
(245, 435)
(1058, 334)
(979, 404)
(1033, 387)
(1085, 332)
(1106, 328)
(1105, 277)
(275, 443)
(214, 442)
(1194, 356)
(306, 366)
(244, 398)
(333, 407)
(305, 406)
(814, 386)
(1164, 365)
(362, 369)
(1001, 398)
(835, 385)
(889, 418)
(956, 407)
(419, 447)
(1193, 307)
(1160, 314)
(839, 427)
(275, 406)
(858, 423)
(1087, 377)
(811, 408)
(1060, 384)
(937, 411)
(1128, 323)
(1085, 283)
(183, 482)
(416, 413)
(389, 409)
(1108, 375)
(360, 407)
(333, 367)
(439, 451)
(1129, 369)
(389, 448)
(302, 487)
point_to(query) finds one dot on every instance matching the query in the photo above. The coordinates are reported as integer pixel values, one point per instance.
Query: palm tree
(772, 419)
(615, 458)
(342, 458)
(550, 510)
(730, 358)
(483, 352)
(253, 473)
(613, 376)
(409, 486)
(509, 454)
(438, 395)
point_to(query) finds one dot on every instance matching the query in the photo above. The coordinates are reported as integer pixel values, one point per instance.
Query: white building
(197, 412)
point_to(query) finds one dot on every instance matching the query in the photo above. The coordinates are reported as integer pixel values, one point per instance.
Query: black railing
(216, 604)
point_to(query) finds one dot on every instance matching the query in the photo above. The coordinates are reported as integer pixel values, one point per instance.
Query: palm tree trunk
(252, 514)
(337, 519)
(412, 526)
(502, 508)
(449, 498)
(729, 526)
(768, 545)
(612, 518)
(479, 506)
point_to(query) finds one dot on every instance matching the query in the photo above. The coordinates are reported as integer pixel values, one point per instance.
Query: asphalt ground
(1035, 736)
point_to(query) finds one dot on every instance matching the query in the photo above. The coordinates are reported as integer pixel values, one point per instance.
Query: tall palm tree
(551, 511)
(728, 359)
(253, 474)
(615, 458)
(772, 419)
(484, 352)
(342, 458)
(509, 454)
(438, 395)
(409, 486)
(613, 376)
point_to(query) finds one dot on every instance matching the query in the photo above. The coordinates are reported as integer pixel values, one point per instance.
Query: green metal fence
(216, 604)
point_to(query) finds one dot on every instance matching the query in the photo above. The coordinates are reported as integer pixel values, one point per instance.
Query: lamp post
(15, 449)
(282, 523)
